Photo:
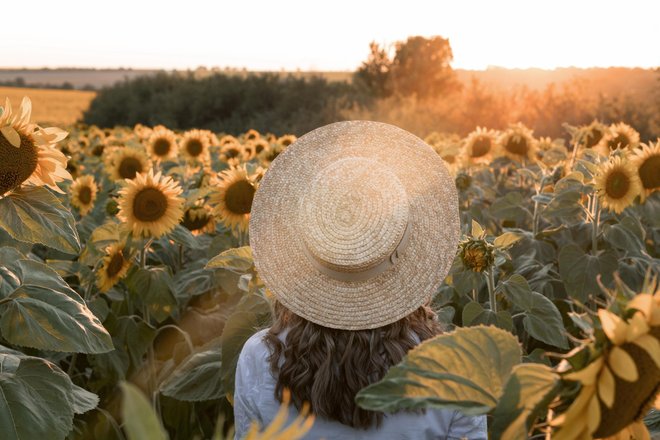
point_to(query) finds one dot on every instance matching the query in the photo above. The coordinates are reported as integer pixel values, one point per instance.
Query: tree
(421, 67)
(373, 74)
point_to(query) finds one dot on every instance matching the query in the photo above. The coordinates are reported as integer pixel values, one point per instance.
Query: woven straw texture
(343, 195)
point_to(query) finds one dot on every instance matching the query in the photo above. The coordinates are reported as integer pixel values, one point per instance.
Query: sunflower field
(127, 286)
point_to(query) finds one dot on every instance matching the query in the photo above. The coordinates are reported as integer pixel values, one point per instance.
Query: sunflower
(150, 204)
(254, 148)
(162, 144)
(231, 151)
(269, 155)
(227, 139)
(518, 143)
(199, 219)
(621, 136)
(286, 140)
(251, 135)
(83, 193)
(646, 161)
(195, 146)
(617, 184)
(235, 190)
(142, 132)
(126, 163)
(479, 146)
(116, 263)
(592, 135)
(622, 380)
(27, 151)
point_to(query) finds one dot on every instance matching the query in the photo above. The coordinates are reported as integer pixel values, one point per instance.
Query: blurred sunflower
(28, 151)
(150, 204)
(591, 136)
(162, 144)
(199, 219)
(83, 193)
(617, 184)
(251, 135)
(269, 155)
(195, 146)
(646, 161)
(479, 146)
(518, 143)
(126, 163)
(286, 140)
(231, 151)
(622, 380)
(233, 196)
(621, 136)
(227, 139)
(142, 132)
(115, 265)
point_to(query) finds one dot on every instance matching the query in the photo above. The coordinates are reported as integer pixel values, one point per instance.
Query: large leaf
(528, 391)
(237, 260)
(34, 215)
(238, 329)
(578, 270)
(153, 286)
(475, 314)
(465, 370)
(627, 235)
(509, 207)
(35, 399)
(140, 420)
(45, 313)
(542, 319)
(197, 378)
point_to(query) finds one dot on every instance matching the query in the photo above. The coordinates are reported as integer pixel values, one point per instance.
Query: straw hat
(355, 225)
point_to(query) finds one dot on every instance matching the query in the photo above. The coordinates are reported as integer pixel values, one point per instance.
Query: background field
(56, 107)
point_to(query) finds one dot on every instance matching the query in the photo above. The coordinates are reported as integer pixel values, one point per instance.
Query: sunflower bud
(111, 208)
(463, 181)
(477, 255)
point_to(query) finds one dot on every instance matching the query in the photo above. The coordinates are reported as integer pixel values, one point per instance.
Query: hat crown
(353, 215)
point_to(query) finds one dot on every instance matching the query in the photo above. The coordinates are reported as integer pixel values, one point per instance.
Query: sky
(325, 35)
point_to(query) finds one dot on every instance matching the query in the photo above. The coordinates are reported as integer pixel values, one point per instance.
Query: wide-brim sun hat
(355, 225)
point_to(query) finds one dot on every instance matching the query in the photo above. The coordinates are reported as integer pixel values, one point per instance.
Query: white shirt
(254, 400)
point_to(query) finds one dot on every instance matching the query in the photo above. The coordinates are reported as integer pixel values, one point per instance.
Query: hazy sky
(324, 35)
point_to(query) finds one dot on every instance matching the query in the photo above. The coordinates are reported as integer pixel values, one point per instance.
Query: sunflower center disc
(649, 172)
(17, 164)
(115, 265)
(481, 147)
(161, 147)
(517, 146)
(85, 195)
(353, 215)
(259, 148)
(617, 185)
(238, 197)
(231, 153)
(194, 147)
(193, 223)
(149, 205)
(129, 167)
(593, 138)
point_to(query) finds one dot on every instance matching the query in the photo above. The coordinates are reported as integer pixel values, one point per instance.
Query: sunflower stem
(490, 281)
(594, 230)
(574, 155)
(72, 364)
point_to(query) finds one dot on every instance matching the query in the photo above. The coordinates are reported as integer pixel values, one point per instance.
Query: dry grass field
(51, 107)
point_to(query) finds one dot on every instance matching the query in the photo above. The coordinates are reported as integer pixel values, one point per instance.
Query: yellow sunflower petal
(606, 387)
(651, 345)
(636, 327)
(587, 375)
(613, 326)
(12, 135)
(623, 365)
(593, 414)
(642, 302)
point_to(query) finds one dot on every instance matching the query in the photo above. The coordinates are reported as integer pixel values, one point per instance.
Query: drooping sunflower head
(463, 181)
(199, 219)
(142, 132)
(251, 135)
(518, 143)
(479, 146)
(260, 145)
(617, 184)
(286, 140)
(591, 136)
(27, 151)
(646, 161)
(162, 144)
(232, 199)
(477, 254)
(116, 263)
(621, 136)
(195, 146)
(83, 193)
(150, 205)
(127, 162)
(231, 151)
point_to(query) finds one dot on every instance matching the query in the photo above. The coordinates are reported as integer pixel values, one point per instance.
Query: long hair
(327, 367)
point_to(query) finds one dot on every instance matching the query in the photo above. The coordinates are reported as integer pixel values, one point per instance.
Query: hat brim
(422, 266)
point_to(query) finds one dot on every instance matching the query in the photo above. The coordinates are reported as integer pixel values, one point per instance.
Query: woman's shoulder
(255, 346)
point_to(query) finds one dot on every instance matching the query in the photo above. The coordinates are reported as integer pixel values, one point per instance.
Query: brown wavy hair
(327, 367)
